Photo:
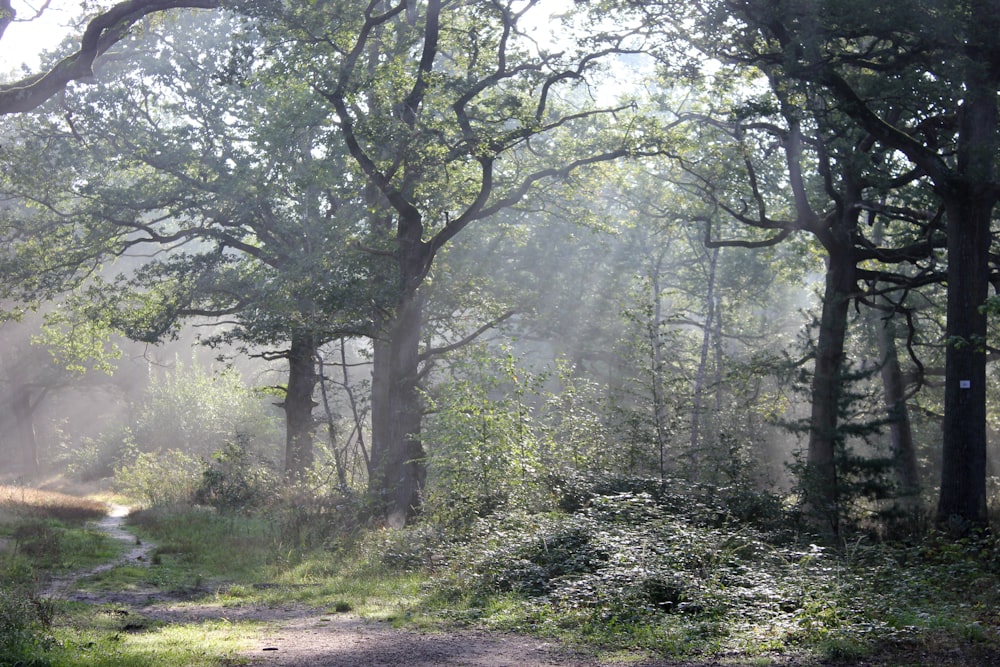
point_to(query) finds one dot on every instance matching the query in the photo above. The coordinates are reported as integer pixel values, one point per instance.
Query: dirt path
(337, 641)
(113, 526)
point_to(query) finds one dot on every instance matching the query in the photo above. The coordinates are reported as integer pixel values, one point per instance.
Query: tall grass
(19, 501)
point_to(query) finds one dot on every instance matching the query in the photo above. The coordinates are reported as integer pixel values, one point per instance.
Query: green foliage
(78, 343)
(622, 554)
(232, 481)
(499, 430)
(865, 487)
(675, 574)
(159, 478)
(43, 533)
(189, 413)
(484, 453)
(196, 411)
(23, 623)
(311, 513)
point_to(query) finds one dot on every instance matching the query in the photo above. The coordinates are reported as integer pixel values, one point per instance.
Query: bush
(166, 478)
(37, 540)
(196, 411)
(23, 621)
(191, 410)
(233, 481)
(310, 514)
(627, 555)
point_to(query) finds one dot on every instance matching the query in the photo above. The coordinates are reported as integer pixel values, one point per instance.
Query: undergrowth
(645, 565)
(637, 566)
(632, 568)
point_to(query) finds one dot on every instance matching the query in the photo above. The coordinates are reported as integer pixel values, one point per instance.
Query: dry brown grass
(25, 502)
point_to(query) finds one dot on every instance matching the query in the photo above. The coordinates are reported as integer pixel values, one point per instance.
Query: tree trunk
(903, 449)
(821, 492)
(962, 499)
(657, 378)
(706, 340)
(25, 423)
(397, 470)
(969, 200)
(299, 404)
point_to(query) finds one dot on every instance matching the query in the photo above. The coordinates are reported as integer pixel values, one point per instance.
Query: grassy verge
(48, 533)
(241, 560)
(627, 574)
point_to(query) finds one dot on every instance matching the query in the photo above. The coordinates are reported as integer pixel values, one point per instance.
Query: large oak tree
(450, 113)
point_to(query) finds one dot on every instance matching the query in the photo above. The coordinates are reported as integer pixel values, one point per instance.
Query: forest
(656, 330)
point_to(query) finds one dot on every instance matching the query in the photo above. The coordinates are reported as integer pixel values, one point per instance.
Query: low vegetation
(19, 501)
(41, 534)
(625, 566)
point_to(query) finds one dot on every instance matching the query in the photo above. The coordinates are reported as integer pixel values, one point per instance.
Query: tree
(922, 81)
(178, 153)
(43, 356)
(832, 176)
(450, 114)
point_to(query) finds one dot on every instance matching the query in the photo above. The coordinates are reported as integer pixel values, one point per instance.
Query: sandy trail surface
(346, 641)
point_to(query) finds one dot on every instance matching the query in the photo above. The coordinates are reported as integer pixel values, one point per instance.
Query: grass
(47, 533)
(223, 562)
(110, 635)
(242, 561)
(601, 582)
(20, 502)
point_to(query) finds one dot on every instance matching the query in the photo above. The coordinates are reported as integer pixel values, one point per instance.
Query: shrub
(190, 410)
(310, 513)
(234, 481)
(197, 411)
(154, 478)
(627, 555)
(23, 621)
(37, 540)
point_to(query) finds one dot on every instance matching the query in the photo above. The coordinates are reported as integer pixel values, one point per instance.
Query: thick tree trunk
(397, 469)
(962, 499)
(969, 202)
(299, 404)
(821, 487)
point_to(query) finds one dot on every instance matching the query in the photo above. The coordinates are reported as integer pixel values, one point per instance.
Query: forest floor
(295, 635)
(208, 592)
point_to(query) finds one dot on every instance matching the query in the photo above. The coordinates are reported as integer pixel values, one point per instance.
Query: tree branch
(436, 351)
(103, 31)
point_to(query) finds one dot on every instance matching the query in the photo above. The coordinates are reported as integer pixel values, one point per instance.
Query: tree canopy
(398, 175)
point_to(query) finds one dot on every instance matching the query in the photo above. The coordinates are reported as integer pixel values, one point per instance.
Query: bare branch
(436, 351)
